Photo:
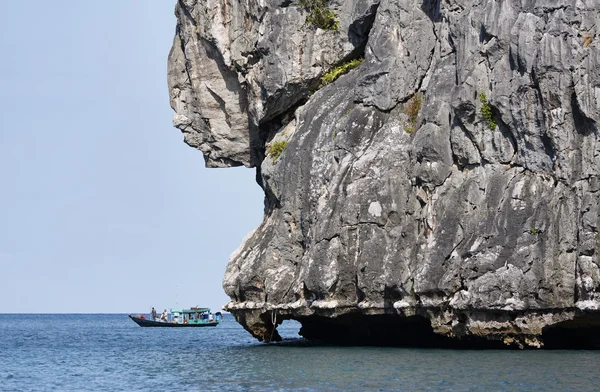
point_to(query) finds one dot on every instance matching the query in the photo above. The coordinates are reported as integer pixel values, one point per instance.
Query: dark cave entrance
(356, 329)
(579, 333)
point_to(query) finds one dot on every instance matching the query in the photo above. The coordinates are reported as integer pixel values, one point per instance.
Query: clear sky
(103, 208)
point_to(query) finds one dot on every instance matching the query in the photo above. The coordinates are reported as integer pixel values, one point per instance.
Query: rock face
(480, 226)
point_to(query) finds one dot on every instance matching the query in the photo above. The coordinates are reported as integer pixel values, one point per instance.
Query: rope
(274, 322)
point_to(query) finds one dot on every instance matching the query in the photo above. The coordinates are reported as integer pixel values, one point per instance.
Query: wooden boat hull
(159, 324)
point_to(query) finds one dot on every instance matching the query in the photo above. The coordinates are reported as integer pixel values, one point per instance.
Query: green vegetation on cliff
(337, 71)
(320, 15)
(411, 109)
(276, 149)
(486, 111)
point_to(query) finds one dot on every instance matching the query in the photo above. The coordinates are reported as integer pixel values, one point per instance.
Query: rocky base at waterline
(447, 186)
(563, 329)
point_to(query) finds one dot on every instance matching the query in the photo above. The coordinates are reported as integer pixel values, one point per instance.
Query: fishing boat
(192, 317)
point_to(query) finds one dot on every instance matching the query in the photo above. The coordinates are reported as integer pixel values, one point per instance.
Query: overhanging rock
(446, 189)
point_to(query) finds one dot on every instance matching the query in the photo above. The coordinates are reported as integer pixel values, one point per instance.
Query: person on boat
(164, 316)
(153, 314)
(210, 317)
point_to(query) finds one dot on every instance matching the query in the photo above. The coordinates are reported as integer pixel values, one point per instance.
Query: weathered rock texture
(455, 233)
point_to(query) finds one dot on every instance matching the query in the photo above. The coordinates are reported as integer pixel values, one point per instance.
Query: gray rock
(463, 231)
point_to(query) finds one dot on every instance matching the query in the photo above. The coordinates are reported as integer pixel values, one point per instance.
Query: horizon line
(81, 313)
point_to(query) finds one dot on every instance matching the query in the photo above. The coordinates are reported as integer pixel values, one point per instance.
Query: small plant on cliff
(276, 149)
(320, 15)
(486, 111)
(337, 71)
(412, 109)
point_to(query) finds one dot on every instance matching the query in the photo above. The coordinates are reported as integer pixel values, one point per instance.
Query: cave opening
(579, 333)
(357, 329)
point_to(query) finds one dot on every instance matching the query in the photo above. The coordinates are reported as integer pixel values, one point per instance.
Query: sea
(108, 352)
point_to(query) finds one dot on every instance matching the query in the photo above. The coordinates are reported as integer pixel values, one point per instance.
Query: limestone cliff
(445, 191)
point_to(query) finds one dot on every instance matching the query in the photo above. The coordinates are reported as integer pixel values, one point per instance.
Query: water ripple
(111, 353)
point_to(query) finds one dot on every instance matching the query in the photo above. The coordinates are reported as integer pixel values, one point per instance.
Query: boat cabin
(193, 316)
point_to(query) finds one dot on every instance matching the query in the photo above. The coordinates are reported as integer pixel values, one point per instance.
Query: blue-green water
(111, 353)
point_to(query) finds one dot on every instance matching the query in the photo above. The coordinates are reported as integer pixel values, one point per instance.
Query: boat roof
(191, 310)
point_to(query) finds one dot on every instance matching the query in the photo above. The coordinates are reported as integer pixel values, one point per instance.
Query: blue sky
(103, 208)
